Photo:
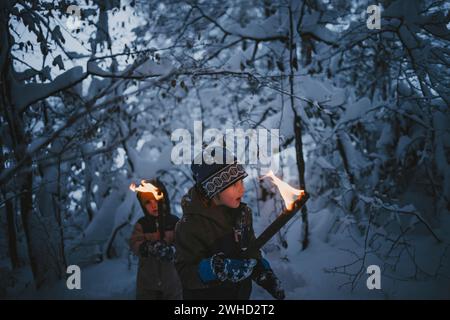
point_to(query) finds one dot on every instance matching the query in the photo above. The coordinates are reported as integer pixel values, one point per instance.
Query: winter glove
(218, 267)
(158, 249)
(264, 276)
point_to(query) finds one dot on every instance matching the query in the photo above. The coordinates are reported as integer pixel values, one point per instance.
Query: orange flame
(288, 193)
(147, 187)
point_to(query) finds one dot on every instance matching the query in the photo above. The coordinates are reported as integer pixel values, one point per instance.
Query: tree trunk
(58, 217)
(297, 133)
(10, 216)
(42, 231)
(45, 261)
(301, 176)
(6, 141)
(26, 209)
(12, 235)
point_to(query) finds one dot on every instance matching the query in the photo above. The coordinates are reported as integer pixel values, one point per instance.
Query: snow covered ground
(111, 279)
(302, 273)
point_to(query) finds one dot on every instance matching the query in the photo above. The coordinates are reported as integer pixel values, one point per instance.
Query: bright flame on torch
(288, 193)
(147, 187)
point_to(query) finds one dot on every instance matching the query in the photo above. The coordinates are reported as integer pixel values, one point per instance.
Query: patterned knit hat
(213, 178)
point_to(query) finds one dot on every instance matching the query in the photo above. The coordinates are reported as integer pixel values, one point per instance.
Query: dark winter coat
(204, 231)
(153, 274)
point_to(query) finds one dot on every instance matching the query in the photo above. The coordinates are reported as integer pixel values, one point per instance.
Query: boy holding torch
(215, 230)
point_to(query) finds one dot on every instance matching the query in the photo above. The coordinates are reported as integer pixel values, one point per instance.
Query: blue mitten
(218, 267)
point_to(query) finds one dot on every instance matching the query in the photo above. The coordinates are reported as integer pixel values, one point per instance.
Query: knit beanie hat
(214, 176)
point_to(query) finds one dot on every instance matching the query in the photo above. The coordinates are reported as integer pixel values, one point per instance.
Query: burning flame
(147, 187)
(288, 193)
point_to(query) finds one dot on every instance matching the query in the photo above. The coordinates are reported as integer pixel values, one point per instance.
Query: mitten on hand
(221, 268)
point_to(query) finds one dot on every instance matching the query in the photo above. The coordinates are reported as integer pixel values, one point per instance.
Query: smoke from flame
(288, 193)
(147, 187)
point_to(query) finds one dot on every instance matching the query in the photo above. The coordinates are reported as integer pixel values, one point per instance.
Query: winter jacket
(153, 274)
(204, 231)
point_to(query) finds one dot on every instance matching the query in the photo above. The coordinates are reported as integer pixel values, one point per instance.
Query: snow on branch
(255, 32)
(33, 92)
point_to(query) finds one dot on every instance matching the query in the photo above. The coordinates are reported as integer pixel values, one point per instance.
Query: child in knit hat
(215, 228)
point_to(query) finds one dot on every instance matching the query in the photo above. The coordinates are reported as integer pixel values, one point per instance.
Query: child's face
(152, 207)
(231, 196)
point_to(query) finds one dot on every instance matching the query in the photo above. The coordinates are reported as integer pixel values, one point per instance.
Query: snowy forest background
(363, 117)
